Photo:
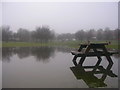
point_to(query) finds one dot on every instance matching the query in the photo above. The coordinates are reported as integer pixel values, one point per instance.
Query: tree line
(92, 34)
(41, 34)
(45, 34)
(101, 34)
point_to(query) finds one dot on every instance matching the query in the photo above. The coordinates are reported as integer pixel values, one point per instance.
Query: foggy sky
(62, 17)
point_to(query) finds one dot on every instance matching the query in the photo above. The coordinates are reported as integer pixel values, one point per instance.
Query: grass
(71, 44)
(23, 44)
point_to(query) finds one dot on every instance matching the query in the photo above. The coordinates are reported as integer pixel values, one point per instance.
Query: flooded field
(52, 67)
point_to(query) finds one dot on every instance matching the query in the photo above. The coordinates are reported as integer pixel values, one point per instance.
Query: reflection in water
(40, 53)
(89, 77)
(24, 70)
(117, 56)
(7, 53)
(0, 53)
(63, 49)
(22, 52)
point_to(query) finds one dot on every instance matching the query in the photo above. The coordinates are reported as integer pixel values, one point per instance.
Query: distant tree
(33, 36)
(65, 37)
(108, 34)
(60, 37)
(6, 33)
(80, 35)
(90, 34)
(99, 35)
(43, 34)
(23, 35)
(15, 37)
(116, 34)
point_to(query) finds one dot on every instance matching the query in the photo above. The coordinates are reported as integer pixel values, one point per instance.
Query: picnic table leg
(75, 57)
(82, 60)
(109, 59)
(99, 60)
(84, 56)
(98, 63)
(107, 55)
(74, 60)
(98, 56)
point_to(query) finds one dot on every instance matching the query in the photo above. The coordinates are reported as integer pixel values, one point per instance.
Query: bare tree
(6, 33)
(99, 35)
(90, 34)
(43, 34)
(80, 35)
(108, 34)
(23, 35)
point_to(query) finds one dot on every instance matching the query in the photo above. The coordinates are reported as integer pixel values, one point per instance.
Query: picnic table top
(94, 44)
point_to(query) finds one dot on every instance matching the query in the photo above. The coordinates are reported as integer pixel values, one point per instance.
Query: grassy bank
(71, 44)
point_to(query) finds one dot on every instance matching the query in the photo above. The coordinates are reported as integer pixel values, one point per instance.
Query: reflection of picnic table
(89, 76)
(90, 50)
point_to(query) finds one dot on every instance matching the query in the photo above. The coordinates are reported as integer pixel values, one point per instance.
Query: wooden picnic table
(92, 50)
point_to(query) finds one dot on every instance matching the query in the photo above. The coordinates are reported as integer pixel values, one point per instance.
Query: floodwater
(52, 67)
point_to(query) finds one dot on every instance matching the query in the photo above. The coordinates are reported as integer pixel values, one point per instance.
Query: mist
(62, 17)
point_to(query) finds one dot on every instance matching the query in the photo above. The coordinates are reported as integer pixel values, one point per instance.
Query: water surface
(50, 67)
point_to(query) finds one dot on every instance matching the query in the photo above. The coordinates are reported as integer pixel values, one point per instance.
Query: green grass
(71, 44)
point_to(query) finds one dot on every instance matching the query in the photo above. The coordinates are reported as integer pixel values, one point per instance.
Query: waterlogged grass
(113, 46)
(76, 44)
(71, 44)
(28, 44)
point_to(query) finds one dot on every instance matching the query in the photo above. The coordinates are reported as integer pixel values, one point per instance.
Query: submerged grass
(71, 44)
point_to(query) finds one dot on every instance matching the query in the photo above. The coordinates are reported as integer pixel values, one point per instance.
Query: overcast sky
(63, 17)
